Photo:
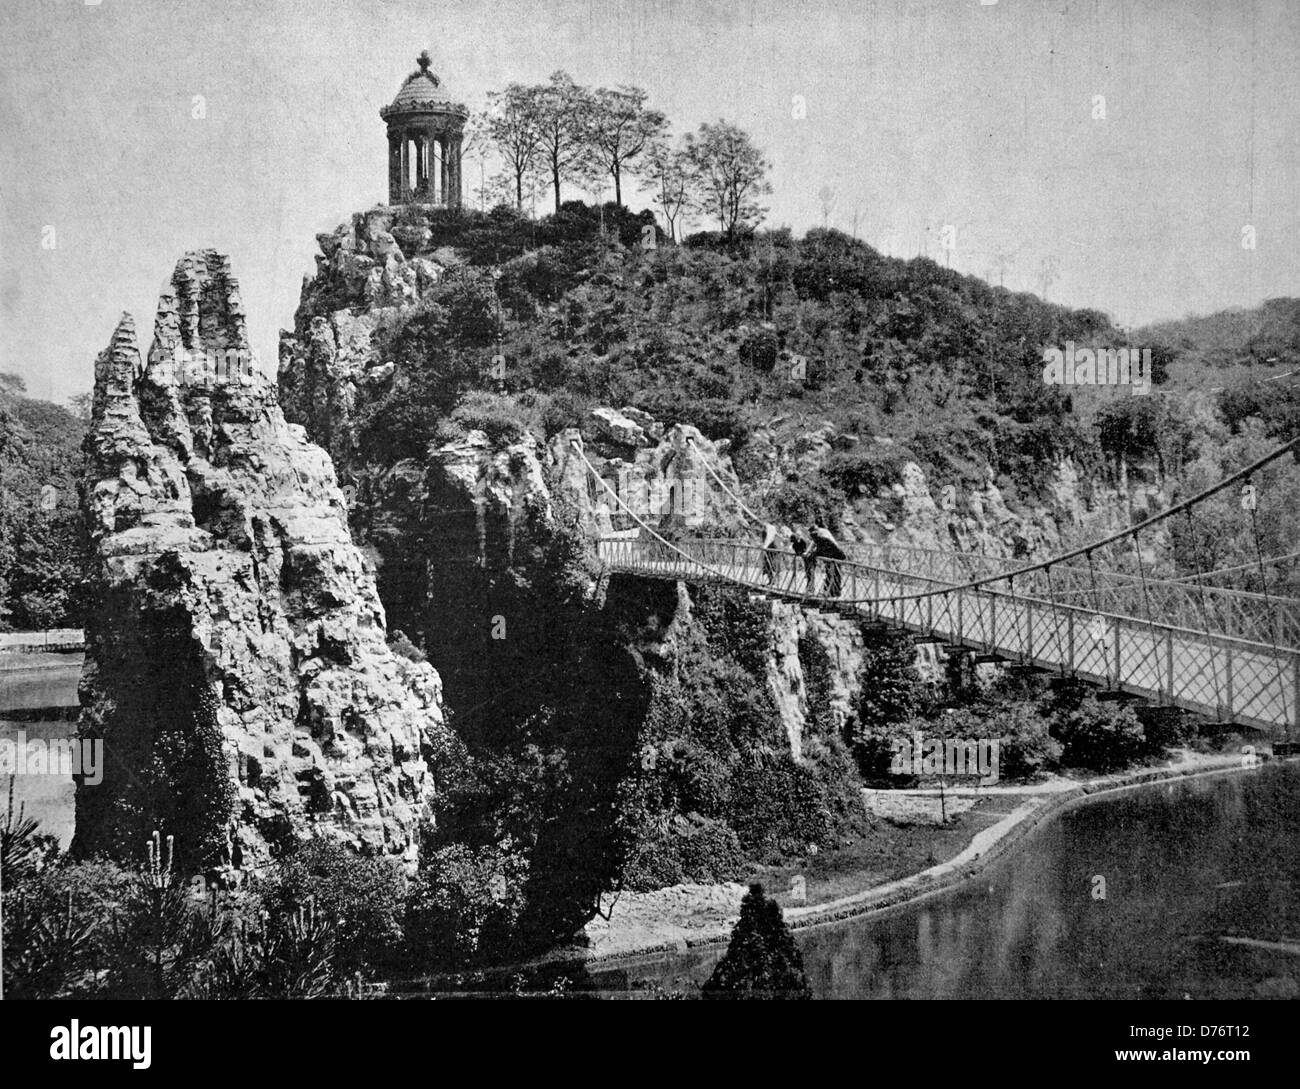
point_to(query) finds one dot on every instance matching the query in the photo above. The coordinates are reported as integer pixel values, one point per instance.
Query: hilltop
(497, 320)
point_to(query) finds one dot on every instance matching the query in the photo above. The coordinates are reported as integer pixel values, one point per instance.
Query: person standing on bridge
(804, 548)
(827, 547)
(769, 557)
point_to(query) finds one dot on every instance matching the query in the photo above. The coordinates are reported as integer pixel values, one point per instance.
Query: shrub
(500, 416)
(683, 848)
(400, 644)
(366, 896)
(873, 749)
(865, 472)
(709, 850)
(464, 904)
(55, 935)
(778, 807)
(1165, 728)
(1100, 736)
(815, 663)
(805, 500)
(1027, 746)
(23, 846)
(891, 689)
(293, 956)
(759, 349)
(161, 940)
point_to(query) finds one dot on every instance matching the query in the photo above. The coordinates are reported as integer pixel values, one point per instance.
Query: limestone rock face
(613, 426)
(911, 510)
(331, 360)
(668, 482)
(841, 641)
(224, 569)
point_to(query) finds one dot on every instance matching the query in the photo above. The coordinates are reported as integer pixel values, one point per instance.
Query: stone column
(454, 193)
(394, 168)
(401, 189)
(443, 170)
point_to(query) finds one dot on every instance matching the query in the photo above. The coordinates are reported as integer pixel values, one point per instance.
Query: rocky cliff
(902, 506)
(236, 663)
(330, 364)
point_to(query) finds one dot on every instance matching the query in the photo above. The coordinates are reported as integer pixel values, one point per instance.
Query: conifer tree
(762, 960)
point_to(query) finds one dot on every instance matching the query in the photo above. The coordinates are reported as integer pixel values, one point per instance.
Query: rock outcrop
(667, 476)
(908, 509)
(793, 627)
(237, 665)
(330, 364)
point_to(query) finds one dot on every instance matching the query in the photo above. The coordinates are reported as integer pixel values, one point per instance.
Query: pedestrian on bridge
(804, 549)
(769, 557)
(826, 546)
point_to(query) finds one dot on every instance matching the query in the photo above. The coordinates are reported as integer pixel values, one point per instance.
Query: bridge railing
(1239, 614)
(1222, 676)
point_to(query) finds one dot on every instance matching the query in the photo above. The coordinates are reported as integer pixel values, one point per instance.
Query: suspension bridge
(1229, 655)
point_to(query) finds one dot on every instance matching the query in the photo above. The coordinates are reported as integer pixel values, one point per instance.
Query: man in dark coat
(826, 547)
(804, 549)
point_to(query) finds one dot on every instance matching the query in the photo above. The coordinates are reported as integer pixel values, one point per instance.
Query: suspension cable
(694, 560)
(723, 485)
(1239, 567)
(1146, 524)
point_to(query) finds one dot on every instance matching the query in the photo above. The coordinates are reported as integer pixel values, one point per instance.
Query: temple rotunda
(425, 129)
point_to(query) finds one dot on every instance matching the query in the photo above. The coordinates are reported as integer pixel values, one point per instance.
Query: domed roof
(422, 92)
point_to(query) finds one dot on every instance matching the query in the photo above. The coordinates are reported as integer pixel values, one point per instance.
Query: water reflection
(38, 700)
(1184, 865)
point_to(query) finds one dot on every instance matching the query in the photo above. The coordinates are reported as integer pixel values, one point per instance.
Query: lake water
(1185, 865)
(38, 699)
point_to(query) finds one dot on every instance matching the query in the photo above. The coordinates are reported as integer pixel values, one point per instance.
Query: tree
(732, 174)
(826, 195)
(563, 111)
(761, 961)
(619, 128)
(675, 185)
(513, 125)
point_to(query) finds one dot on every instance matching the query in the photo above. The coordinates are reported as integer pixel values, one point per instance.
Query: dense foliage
(42, 544)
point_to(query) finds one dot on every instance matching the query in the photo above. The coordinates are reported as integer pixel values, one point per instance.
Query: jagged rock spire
(117, 370)
(225, 578)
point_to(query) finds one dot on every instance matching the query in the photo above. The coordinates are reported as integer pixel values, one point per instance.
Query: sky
(1110, 154)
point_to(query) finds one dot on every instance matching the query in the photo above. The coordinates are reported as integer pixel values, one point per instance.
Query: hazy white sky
(920, 114)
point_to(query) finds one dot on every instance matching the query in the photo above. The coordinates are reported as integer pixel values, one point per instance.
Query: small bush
(865, 472)
(759, 349)
(464, 904)
(1166, 728)
(1100, 736)
(778, 808)
(684, 848)
(501, 417)
(815, 663)
(1027, 746)
(365, 895)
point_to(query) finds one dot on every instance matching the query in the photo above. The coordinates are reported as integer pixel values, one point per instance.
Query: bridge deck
(1227, 678)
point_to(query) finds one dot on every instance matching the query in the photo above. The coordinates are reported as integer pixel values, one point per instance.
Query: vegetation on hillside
(43, 549)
